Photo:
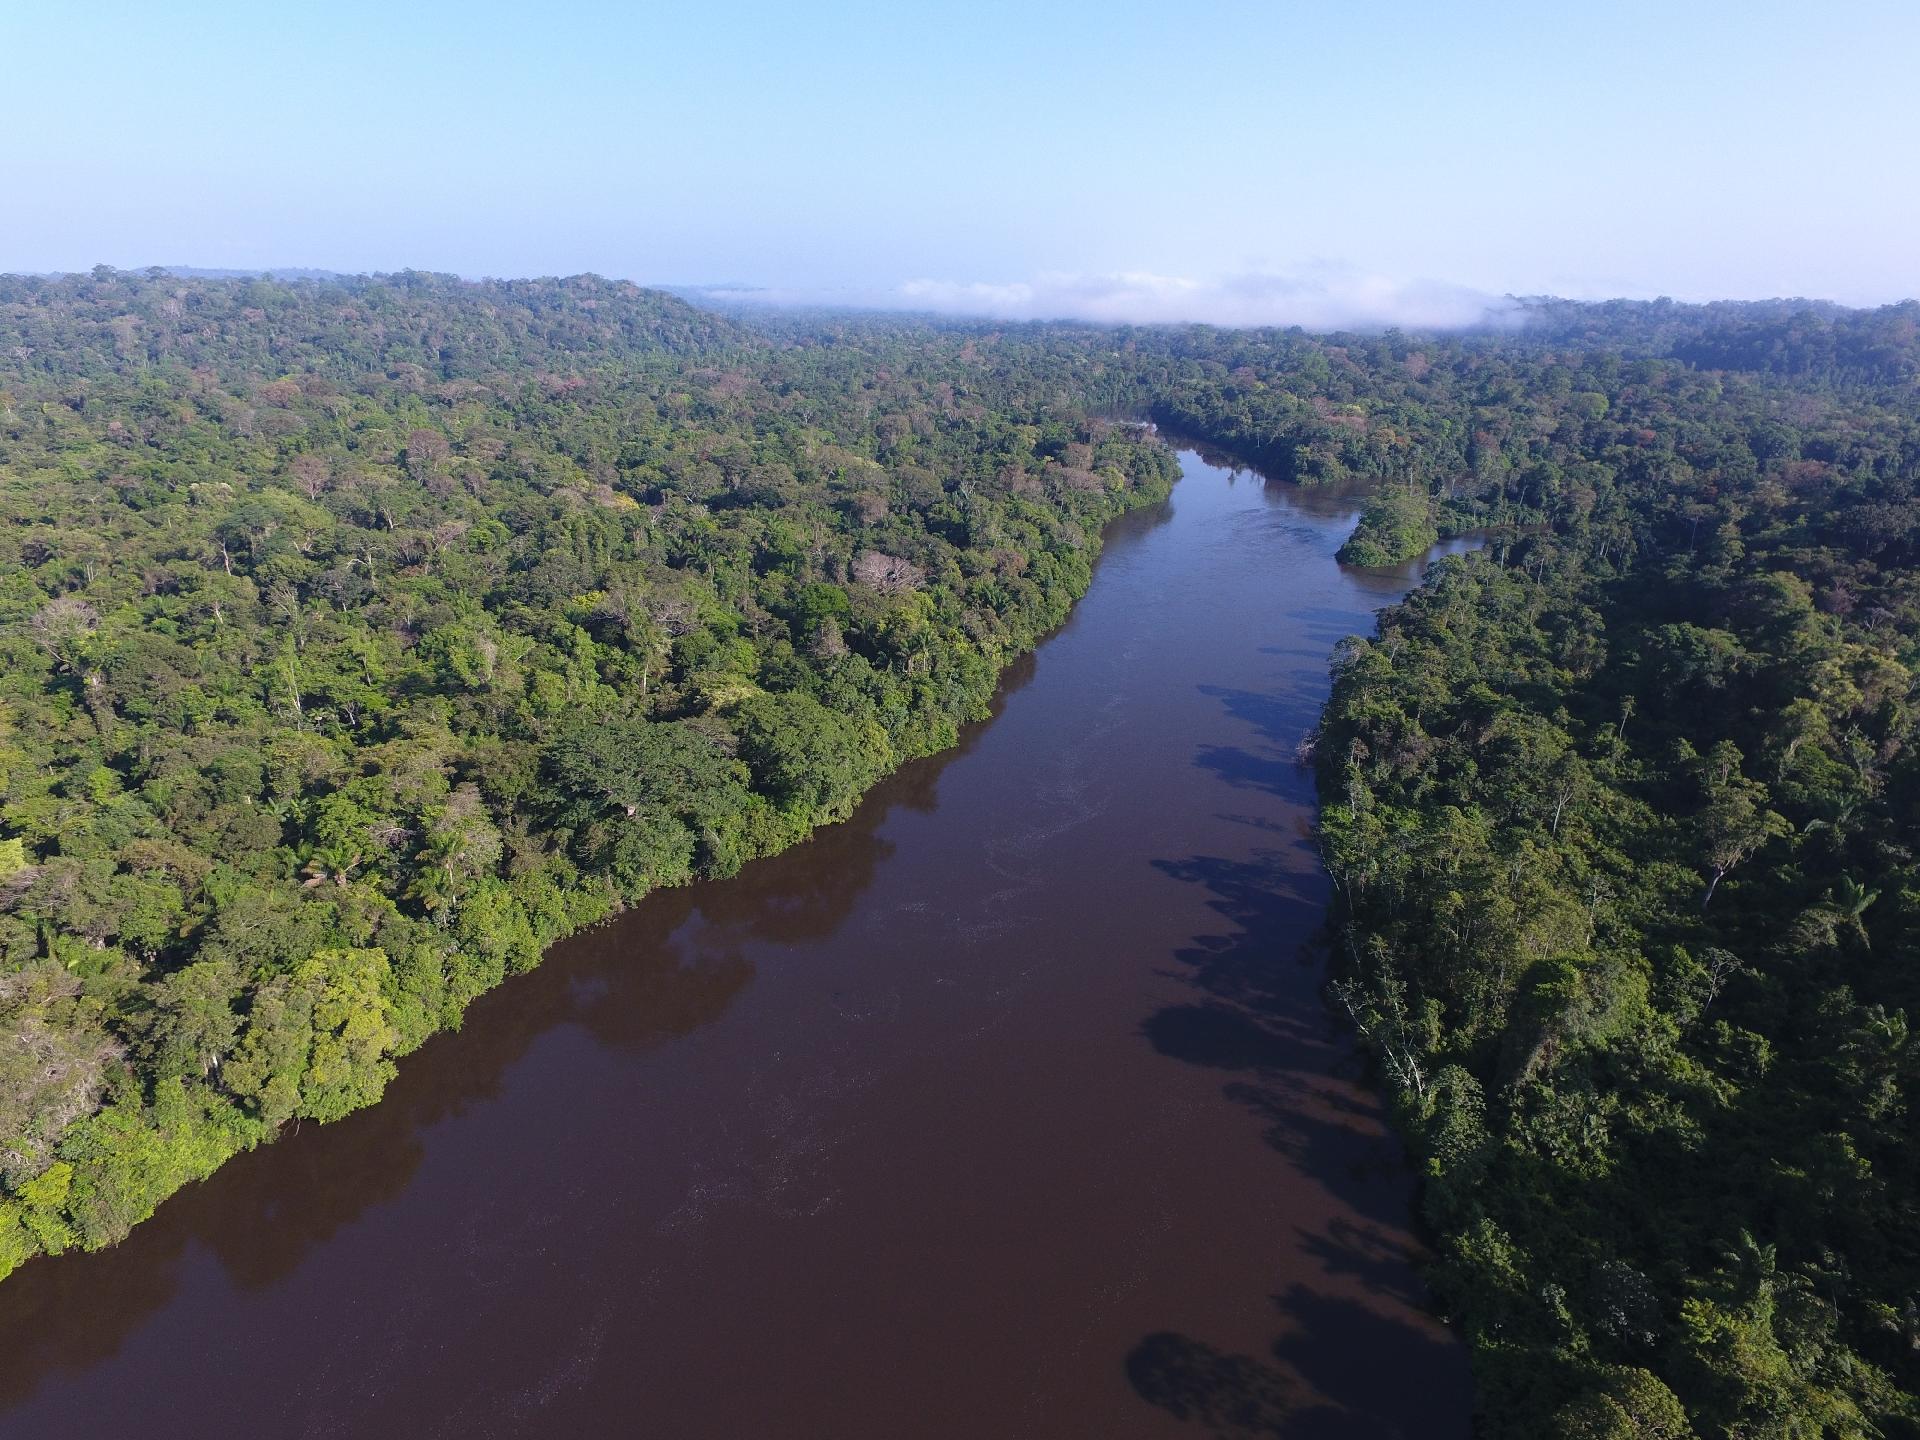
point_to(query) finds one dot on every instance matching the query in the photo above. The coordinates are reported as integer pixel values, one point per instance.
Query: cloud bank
(1320, 298)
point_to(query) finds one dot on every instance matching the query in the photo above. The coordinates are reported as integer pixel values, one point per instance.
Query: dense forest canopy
(362, 639)
(363, 636)
(1621, 818)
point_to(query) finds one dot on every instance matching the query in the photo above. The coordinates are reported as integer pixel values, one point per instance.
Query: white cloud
(1323, 297)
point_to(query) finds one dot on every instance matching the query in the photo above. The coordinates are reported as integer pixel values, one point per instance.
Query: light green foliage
(267, 1068)
(42, 1199)
(352, 1032)
(1627, 1404)
(317, 1041)
(1396, 526)
(17, 1243)
(128, 1157)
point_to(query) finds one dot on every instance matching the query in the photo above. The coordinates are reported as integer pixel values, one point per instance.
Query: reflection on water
(1008, 1107)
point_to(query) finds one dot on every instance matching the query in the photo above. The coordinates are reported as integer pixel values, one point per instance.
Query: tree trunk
(1707, 899)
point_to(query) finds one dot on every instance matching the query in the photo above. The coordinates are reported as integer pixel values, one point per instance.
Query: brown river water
(1009, 1108)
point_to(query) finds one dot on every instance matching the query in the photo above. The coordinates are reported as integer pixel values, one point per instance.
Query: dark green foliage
(811, 761)
(1621, 818)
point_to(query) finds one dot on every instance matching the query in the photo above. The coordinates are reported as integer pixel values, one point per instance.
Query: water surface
(1008, 1108)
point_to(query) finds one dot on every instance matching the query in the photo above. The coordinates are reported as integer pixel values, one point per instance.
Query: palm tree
(1755, 1266)
(335, 861)
(1851, 900)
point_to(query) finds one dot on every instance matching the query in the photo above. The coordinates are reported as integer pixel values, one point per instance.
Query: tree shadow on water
(1383, 1376)
(1294, 827)
(1355, 1354)
(1381, 1260)
(1268, 771)
(1341, 1371)
(1283, 716)
(1263, 1021)
(1226, 1395)
(1335, 1134)
(1273, 901)
(1222, 1037)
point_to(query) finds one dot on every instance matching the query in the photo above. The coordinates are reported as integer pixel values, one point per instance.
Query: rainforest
(363, 638)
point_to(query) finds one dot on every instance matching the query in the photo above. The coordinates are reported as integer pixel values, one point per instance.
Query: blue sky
(1259, 161)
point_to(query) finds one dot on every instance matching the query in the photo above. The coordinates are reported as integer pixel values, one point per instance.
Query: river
(1009, 1108)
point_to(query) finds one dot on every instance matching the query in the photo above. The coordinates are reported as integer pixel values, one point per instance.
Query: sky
(1389, 161)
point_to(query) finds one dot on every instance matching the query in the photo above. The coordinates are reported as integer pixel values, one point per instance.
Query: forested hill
(411, 325)
(1806, 341)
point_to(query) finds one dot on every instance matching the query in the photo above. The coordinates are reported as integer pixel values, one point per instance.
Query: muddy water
(1008, 1108)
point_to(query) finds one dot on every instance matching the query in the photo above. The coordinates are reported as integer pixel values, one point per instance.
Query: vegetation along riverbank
(362, 637)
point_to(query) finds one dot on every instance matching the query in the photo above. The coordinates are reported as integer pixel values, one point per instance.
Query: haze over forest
(1388, 163)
